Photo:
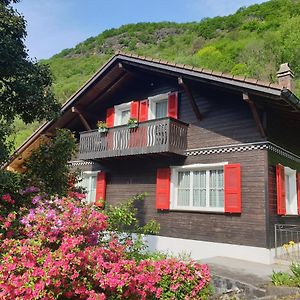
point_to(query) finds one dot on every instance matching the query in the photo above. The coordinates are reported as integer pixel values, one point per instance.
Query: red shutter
(143, 110)
(163, 189)
(298, 191)
(134, 110)
(280, 181)
(100, 189)
(232, 188)
(173, 105)
(110, 117)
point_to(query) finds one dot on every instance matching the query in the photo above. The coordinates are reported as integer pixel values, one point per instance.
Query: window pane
(199, 189)
(291, 193)
(287, 188)
(93, 185)
(84, 183)
(183, 189)
(92, 192)
(161, 109)
(125, 115)
(216, 188)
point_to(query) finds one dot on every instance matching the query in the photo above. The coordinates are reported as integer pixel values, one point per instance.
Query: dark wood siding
(272, 217)
(227, 119)
(126, 179)
(284, 131)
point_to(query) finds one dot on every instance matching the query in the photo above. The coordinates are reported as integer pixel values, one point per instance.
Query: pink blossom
(60, 255)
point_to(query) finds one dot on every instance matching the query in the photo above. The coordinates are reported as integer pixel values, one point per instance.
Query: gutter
(291, 99)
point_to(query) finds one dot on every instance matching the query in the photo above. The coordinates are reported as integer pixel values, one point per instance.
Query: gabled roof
(113, 70)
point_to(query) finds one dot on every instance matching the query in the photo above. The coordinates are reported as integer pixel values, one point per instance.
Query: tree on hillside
(25, 85)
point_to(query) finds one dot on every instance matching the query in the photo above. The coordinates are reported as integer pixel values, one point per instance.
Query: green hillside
(252, 42)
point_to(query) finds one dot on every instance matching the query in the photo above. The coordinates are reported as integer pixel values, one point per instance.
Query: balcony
(165, 135)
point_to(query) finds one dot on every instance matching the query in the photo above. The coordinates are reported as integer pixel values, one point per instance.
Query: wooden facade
(227, 120)
(126, 179)
(219, 119)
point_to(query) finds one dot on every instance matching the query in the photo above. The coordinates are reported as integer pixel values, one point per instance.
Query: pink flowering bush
(65, 252)
(7, 216)
(12, 208)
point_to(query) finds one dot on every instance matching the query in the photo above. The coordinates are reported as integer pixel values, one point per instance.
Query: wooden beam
(82, 118)
(191, 98)
(255, 115)
(127, 70)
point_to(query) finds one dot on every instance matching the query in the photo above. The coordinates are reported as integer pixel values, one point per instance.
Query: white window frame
(291, 207)
(152, 104)
(174, 186)
(89, 188)
(118, 112)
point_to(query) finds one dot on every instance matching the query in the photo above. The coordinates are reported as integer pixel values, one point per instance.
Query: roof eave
(291, 98)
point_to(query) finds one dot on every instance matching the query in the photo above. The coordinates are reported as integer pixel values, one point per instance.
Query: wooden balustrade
(154, 136)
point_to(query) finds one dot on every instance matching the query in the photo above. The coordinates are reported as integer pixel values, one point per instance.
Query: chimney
(285, 77)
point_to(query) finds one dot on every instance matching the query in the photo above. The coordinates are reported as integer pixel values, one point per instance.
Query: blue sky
(54, 25)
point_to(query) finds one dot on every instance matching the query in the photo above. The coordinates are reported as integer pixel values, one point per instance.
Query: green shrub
(123, 220)
(295, 268)
(47, 167)
(281, 278)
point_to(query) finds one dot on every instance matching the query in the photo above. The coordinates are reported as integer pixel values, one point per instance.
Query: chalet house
(218, 155)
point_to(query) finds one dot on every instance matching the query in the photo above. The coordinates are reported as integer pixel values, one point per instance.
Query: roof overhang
(111, 72)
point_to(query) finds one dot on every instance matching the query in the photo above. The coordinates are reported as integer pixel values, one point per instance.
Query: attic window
(158, 106)
(122, 114)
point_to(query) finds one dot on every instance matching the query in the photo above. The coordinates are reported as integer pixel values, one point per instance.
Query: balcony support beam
(82, 118)
(255, 114)
(190, 98)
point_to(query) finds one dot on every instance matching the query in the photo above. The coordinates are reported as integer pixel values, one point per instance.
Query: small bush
(282, 278)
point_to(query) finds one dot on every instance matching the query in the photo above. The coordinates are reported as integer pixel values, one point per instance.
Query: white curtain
(92, 193)
(161, 109)
(183, 189)
(199, 189)
(125, 115)
(89, 184)
(216, 188)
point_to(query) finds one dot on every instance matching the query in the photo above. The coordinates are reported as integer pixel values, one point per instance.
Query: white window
(158, 106)
(88, 183)
(198, 187)
(290, 191)
(122, 114)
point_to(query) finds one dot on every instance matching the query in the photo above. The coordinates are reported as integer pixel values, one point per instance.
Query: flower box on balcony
(102, 127)
(132, 123)
(103, 130)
